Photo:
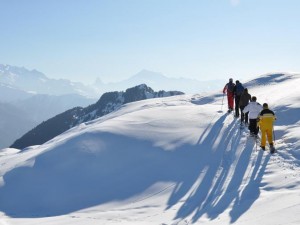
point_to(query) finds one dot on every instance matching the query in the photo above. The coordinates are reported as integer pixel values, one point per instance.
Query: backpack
(230, 86)
(239, 89)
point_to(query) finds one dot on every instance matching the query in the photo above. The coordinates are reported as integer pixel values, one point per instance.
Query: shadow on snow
(97, 168)
(222, 176)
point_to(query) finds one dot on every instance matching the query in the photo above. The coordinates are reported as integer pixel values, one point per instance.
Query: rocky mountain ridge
(107, 103)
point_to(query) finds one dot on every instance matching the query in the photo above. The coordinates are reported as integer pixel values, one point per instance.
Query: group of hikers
(253, 114)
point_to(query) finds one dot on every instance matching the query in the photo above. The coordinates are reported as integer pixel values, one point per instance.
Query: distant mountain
(36, 82)
(9, 93)
(107, 103)
(43, 107)
(18, 117)
(33, 81)
(28, 97)
(159, 82)
(14, 122)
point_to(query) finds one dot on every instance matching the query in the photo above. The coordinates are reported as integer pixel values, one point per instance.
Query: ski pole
(273, 136)
(222, 101)
(255, 144)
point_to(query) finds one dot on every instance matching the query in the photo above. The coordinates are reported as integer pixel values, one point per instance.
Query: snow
(172, 161)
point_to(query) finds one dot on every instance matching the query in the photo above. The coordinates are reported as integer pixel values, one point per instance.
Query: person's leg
(228, 101)
(263, 137)
(256, 128)
(231, 100)
(242, 114)
(246, 117)
(270, 136)
(252, 126)
(237, 112)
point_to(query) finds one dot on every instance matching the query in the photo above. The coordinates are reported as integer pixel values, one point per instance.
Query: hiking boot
(263, 148)
(272, 149)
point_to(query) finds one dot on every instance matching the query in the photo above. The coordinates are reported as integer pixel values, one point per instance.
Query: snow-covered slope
(176, 160)
(107, 103)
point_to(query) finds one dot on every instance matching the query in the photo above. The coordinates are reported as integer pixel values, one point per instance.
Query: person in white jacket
(254, 109)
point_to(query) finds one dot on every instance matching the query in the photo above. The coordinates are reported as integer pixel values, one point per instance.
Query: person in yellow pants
(266, 120)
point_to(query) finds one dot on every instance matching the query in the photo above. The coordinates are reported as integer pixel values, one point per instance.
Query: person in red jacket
(229, 90)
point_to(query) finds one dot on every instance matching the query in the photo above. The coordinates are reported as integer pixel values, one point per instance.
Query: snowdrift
(175, 160)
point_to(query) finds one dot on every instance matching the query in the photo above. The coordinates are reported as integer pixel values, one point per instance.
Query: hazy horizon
(138, 73)
(114, 40)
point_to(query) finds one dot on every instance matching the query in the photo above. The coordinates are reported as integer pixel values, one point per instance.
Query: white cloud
(235, 2)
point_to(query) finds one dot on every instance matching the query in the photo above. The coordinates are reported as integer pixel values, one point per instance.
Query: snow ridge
(176, 160)
(108, 103)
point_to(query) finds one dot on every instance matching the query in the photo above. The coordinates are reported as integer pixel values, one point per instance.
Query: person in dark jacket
(238, 91)
(228, 89)
(244, 101)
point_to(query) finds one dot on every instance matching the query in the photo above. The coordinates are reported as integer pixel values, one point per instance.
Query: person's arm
(225, 89)
(234, 90)
(259, 119)
(274, 116)
(241, 101)
(246, 109)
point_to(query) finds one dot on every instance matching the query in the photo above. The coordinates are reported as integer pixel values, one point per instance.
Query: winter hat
(230, 79)
(265, 105)
(253, 99)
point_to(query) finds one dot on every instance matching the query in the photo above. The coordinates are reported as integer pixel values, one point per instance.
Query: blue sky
(114, 39)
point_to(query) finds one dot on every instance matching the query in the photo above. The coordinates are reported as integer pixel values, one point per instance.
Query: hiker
(238, 91)
(254, 108)
(266, 120)
(244, 101)
(228, 89)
